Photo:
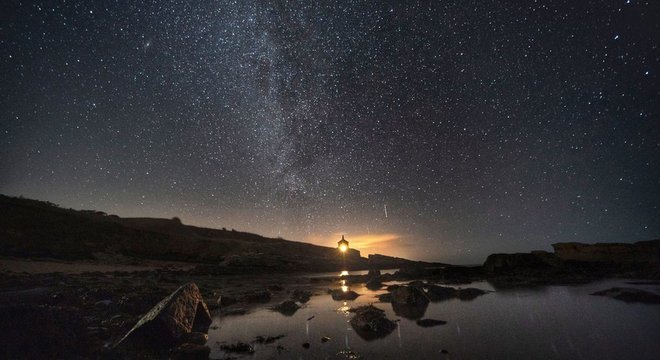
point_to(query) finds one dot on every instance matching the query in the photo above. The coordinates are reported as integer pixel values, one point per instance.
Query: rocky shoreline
(86, 315)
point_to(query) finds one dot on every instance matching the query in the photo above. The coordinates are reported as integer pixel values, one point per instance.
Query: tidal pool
(550, 322)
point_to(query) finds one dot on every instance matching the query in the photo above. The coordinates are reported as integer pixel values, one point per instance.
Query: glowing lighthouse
(342, 244)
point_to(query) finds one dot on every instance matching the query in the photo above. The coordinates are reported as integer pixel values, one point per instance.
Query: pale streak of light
(385, 208)
(398, 330)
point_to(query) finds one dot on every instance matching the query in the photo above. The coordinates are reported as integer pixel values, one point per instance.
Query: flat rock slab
(630, 295)
(164, 326)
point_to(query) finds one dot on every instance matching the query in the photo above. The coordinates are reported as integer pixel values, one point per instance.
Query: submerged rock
(469, 293)
(374, 283)
(239, 347)
(288, 307)
(301, 296)
(370, 322)
(630, 295)
(430, 322)
(180, 313)
(439, 293)
(339, 295)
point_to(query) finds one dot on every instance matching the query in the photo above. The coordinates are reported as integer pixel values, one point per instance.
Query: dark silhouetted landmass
(37, 229)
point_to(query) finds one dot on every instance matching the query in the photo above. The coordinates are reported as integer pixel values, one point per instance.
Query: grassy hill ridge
(39, 229)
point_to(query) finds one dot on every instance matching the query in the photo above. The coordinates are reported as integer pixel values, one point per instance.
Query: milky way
(434, 130)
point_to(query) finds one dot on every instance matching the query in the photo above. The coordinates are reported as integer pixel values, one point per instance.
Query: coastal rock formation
(370, 322)
(504, 263)
(180, 313)
(640, 252)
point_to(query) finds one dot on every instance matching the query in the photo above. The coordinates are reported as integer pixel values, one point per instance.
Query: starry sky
(433, 130)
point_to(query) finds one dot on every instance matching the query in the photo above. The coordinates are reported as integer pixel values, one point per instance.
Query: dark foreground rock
(41, 332)
(630, 295)
(370, 322)
(165, 325)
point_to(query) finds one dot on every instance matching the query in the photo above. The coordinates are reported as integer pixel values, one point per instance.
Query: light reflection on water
(555, 322)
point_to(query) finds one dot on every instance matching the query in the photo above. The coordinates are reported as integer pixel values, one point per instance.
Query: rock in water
(287, 308)
(409, 302)
(370, 322)
(163, 327)
(340, 295)
(430, 322)
(630, 295)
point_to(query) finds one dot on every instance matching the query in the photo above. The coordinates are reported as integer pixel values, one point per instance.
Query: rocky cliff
(640, 252)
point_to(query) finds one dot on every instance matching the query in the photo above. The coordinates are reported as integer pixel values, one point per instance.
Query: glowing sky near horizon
(435, 130)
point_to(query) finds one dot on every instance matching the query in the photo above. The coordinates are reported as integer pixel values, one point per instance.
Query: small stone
(325, 339)
(305, 345)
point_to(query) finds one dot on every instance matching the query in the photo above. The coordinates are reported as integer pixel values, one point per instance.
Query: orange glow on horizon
(391, 244)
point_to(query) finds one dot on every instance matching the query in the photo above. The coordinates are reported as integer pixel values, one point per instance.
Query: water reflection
(557, 322)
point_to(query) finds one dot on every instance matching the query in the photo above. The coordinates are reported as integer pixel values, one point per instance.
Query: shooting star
(385, 208)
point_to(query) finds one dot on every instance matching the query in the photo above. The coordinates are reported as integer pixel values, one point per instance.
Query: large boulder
(164, 326)
(370, 322)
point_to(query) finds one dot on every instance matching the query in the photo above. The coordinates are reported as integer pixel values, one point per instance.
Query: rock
(256, 297)
(440, 293)
(181, 312)
(325, 339)
(302, 296)
(409, 302)
(267, 340)
(511, 263)
(408, 295)
(370, 322)
(630, 295)
(373, 273)
(392, 287)
(387, 297)
(189, 351)
(275, 288)
(374, 284)
(195, 337)
(305, 345)
(639, 252)
(288, 307)
(239, 347)
(339, 295)
(430, 322)
(469, 293)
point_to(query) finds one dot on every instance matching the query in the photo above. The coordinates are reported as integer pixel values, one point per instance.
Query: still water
(552, 322)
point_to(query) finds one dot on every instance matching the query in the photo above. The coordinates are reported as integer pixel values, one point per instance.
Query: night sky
(435, 130)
